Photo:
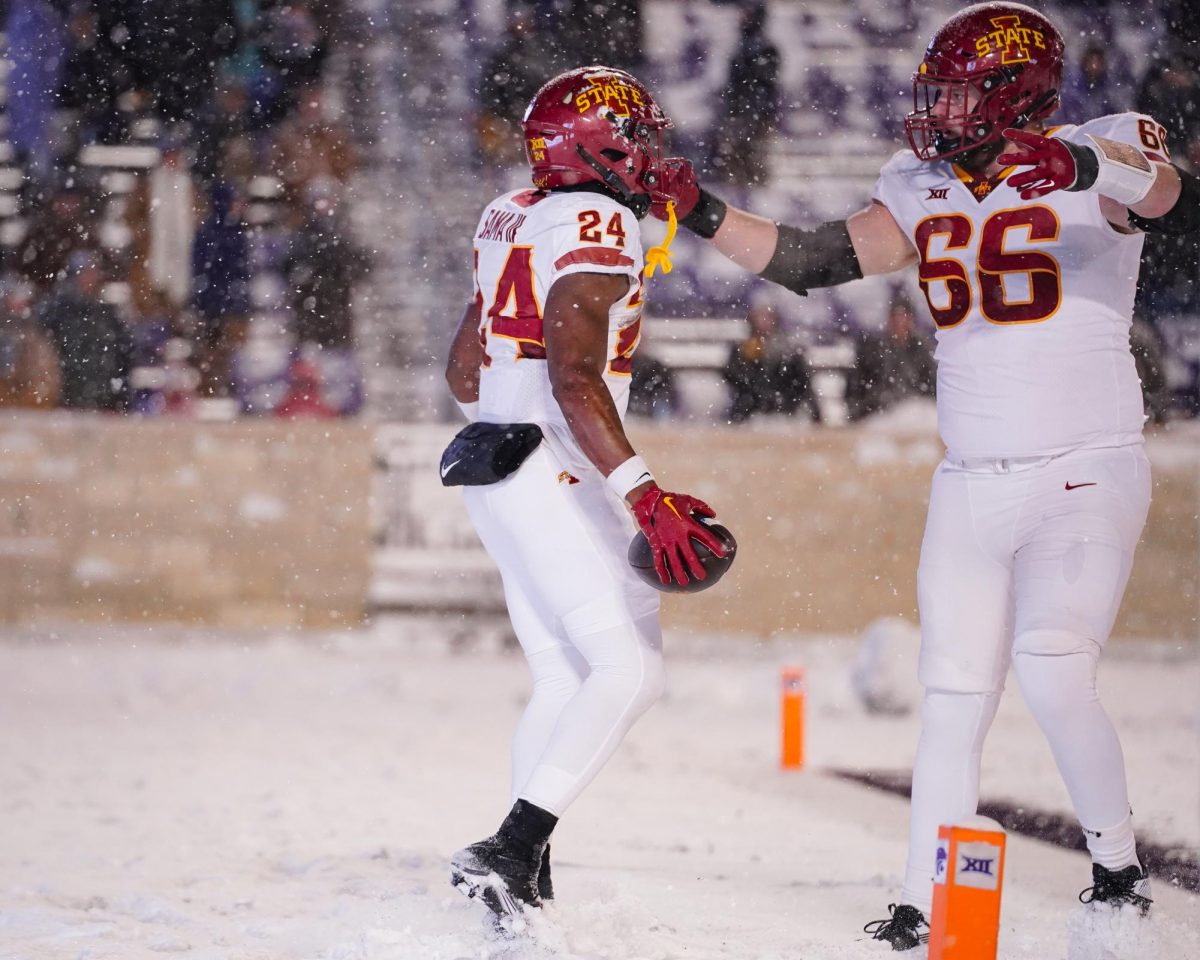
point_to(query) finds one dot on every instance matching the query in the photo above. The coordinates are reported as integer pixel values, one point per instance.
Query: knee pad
(557, 669)
(1054, 642)
(1055, 685)
(653, 682)
(604, 612)
(963, 719)
(950, 674)
(627, 659)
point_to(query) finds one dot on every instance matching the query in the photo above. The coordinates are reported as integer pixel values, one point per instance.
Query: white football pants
(1023, 561)
(588, 626)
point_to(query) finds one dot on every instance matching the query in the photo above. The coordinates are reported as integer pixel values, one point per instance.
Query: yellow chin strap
(660, 256)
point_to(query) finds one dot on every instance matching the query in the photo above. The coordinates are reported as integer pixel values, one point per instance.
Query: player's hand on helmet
(666, 520)
(675, 180)
(1051, 163)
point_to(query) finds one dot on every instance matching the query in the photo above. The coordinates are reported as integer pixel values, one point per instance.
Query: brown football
(642, 560)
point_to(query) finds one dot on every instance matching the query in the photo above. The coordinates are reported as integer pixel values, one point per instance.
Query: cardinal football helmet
(596, 124)
(991, 66)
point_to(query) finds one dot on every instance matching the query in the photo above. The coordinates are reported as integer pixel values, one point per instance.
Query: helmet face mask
(990, 67)
(596, 125)
(952, 116)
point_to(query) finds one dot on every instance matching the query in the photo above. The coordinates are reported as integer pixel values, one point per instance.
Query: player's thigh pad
(566, 544)
(964, 583)
(1076, 549)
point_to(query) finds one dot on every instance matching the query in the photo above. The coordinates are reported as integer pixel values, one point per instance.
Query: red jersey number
(515, 312)
(995, 267)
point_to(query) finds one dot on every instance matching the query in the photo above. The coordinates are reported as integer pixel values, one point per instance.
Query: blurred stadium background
(235, 239)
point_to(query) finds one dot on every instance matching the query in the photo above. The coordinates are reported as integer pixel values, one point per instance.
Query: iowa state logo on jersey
(1011, 38)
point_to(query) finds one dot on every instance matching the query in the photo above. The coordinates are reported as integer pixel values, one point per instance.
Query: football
(642, 560)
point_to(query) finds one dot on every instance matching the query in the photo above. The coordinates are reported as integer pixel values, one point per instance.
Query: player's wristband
(469, 410)
(632, 473)
(707, 215)
(1112, 169)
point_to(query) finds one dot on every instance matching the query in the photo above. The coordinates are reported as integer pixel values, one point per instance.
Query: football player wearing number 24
(1026, 238)
(548, 338)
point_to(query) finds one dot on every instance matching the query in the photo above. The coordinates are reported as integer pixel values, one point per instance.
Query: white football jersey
(525, 241)
(1033, 301)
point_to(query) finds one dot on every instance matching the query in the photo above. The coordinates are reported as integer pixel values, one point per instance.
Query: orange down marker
(967, 881)
(791, 718)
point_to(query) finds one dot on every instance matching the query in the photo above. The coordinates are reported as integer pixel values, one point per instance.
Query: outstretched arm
(1161, 197)
(869, 242)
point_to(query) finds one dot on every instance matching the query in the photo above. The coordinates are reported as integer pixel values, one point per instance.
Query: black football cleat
(545, 885)
(504, 878)
(903, 929)
(1130, 885)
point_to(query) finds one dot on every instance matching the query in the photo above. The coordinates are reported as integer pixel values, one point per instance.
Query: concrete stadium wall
(275, 524)
(829, 526)
(252, 524)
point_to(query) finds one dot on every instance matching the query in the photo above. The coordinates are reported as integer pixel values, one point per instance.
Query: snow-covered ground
(167, 792)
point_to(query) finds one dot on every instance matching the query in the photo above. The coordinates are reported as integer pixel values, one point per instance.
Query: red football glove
(1052, 164)
(666, 520)
(675, 180)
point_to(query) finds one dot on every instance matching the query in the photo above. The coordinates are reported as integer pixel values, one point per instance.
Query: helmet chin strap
(638, 203)
(1035, 107)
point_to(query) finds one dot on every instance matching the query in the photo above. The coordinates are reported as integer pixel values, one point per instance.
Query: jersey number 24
(515, 314)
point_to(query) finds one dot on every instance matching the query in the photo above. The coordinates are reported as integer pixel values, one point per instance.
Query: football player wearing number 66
(1026, 238)
(548, 340)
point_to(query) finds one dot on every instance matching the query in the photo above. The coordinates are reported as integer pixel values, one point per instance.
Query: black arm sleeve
(822, 257)
(1182, 218)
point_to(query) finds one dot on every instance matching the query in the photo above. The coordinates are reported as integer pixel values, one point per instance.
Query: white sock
(1061, 694)
(945, 779)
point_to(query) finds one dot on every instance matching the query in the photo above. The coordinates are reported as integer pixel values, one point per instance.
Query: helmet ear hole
(616, 156)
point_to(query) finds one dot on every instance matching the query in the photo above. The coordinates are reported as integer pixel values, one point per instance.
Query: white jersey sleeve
(1139, 130)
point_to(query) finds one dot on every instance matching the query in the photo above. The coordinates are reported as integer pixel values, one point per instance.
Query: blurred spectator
(29, 370)
(652, 389)
(1147, 349)
(293, 42)
(885, 23)
(750, 104)
(172, 50)
(60, 225)
(322, 267)
(220, 288)
(827, 96)
(1183, 27)
(890, 367)
(220, 131)
(304, 393)
(1093, 88)
(766, 374)
(308, 147)
(511, 76)
(603, 31)
(94, 76)
(94, 348)
(36, 50)
(893, 99)
(173, 202)
(1170, 93)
